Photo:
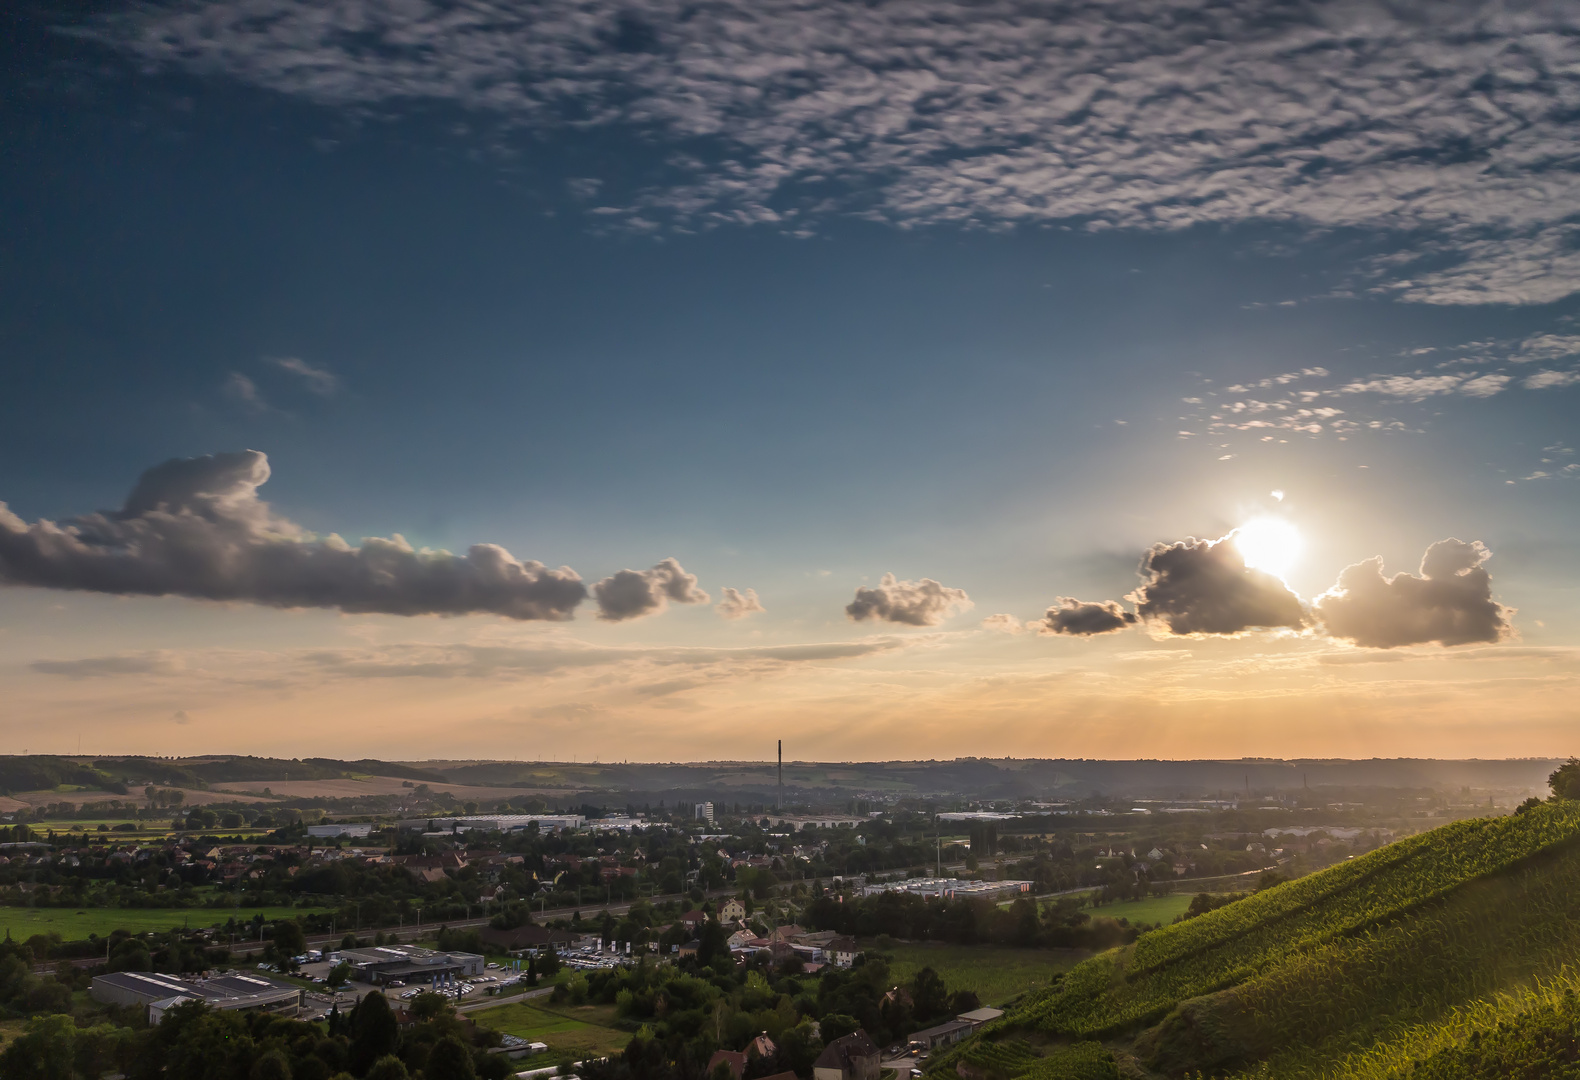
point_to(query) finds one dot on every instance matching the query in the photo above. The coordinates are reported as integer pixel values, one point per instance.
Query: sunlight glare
(1270, 544)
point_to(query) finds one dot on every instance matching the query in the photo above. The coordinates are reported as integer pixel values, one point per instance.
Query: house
(741, 939)
(841, 951)
(762, 1046)
(732, 910)
(694, 918)
(853, 1057)
(786, 934)
(735, 1062)
(1154, 854)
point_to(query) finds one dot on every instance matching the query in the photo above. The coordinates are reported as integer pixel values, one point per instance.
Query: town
(430, 926)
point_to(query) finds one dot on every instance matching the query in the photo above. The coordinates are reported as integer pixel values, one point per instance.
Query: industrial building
(499, 822)
(329, 832)
(384, 964)
(233, 990)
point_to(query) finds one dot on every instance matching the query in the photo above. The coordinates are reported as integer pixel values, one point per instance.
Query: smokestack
(781, 805)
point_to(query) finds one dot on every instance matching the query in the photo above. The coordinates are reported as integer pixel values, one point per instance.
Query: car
(411, 994)
(492, 965)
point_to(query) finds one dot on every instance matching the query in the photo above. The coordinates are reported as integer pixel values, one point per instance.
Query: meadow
(1152, 910)
(76, 925)
(997, 975)
(571, 1032)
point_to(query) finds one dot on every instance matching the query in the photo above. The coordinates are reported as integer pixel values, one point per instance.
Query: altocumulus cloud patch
(1448, 124)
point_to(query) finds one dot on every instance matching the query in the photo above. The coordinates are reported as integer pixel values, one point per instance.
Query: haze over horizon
(650, 381)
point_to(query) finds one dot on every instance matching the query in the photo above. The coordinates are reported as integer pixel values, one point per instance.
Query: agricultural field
(997, 975)
(74, 925)
(571, 1032)
(1154, 909)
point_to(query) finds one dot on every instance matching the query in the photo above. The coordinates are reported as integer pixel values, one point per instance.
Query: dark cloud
(913, 603)
(630, 594)
(1204, 587)
(1084, 618)
(738, 605)
(94, 666)
(196, 527)
(1450, 603)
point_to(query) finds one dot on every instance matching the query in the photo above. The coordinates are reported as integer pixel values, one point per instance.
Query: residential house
(853, 1057)
(732, 910)
(735, 1062)
(786, 934)
(841, 951)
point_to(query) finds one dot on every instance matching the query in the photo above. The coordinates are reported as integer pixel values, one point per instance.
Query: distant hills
(1420, 952)
(968, 778)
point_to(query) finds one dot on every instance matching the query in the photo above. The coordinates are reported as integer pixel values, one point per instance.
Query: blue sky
(798, 295)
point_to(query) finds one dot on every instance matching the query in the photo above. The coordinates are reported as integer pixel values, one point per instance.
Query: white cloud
(1544, 380)
(738, 604)
(911, 603)
(318, 380)
(1449, 123)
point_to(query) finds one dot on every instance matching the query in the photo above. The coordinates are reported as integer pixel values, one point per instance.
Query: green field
(996, 975)
(1154, 909)
(72, 925)
(572, 1033)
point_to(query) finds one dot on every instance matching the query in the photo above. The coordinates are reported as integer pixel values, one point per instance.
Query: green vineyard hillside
(1450, 946)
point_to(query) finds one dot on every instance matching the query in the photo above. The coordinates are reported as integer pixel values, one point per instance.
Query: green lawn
(996, 974)
(572, 1033)
(1154, 909)
(74, 925)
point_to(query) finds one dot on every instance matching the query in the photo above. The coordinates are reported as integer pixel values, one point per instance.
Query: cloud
(318, 380)
(1004, 624)
(1449, 127)
(1485, 386)
(1546, 380)
(1204, 587)
(1450, 603)
(196, 527)
(630, 594)
(1085, 618)
(244, 392)
(1547, 347)
(93, 667)
(912, 603)
(738, 605)
(180, 716)
(1408, 387)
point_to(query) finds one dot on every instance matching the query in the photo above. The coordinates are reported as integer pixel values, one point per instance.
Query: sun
(1270, 544)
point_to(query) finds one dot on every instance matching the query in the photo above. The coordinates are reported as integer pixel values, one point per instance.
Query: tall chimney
(781, 804)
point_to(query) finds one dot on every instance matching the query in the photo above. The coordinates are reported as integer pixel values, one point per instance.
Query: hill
(1364, 969)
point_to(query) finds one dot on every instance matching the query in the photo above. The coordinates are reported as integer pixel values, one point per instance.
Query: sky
(655, 380)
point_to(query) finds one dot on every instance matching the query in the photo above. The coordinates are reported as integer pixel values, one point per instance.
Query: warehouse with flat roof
(230, 990)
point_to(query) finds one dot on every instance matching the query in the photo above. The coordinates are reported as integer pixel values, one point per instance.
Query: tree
(339, 974)
(929, 995)
(837, 1026)
(712, 942)
(289, 941)
(428, 1005)
(800, 1048)
(450, 1059)
(47, 1050)
(272, 1065)
(374, 1031)
(1565, 780)
(388, 1067)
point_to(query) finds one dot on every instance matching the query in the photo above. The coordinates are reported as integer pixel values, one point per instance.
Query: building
(942, 1035)
(951, 888)
(500, 822)
(853, 1057)
(530, 938)
(978, 1017)
(736, 1062)
(329, 832)
(705, 812)
(841, 952)
(384, 964)
(732, 910)
(157, 992)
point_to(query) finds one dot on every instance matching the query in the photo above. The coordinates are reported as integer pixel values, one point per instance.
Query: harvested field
(371, 785)
(26, 800)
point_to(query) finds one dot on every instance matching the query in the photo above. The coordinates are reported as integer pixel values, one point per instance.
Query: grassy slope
(1154, 909)
(1301, 979)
